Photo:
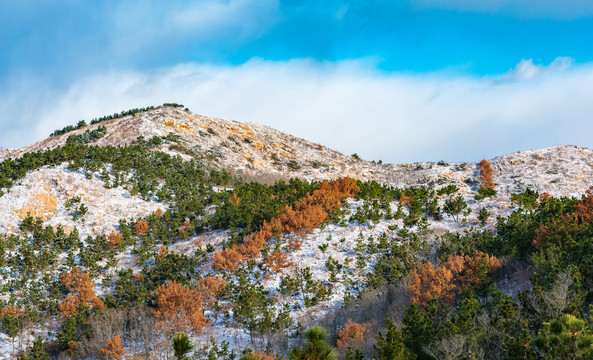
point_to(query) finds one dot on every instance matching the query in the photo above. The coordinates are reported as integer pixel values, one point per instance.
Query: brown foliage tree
(210, 287)
(445, 281)
(180, 307)
(141, 228)
(113, 348)
(351, 333)
(486, 174)
(183, 231)
(81, 293)
(476, 269)
(427, 282)
(276, 261)
(235, 200)
(260, 355)
(294, 244)
(162, 253)
(227, 259)
(405, 200)
(12, 311)
(255, 242)
(114, 239)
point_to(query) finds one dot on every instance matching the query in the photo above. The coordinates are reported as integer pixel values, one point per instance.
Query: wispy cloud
(527, 70)
(345, 105)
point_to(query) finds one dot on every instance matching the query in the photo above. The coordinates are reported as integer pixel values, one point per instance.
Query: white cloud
(145, 26)
(526, 70)
(565, 9)
(346, 105)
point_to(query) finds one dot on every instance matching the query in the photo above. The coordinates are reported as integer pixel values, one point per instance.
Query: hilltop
(270, 232)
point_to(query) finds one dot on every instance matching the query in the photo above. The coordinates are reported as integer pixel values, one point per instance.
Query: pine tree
(182, 346)
(391, 345)
(315, 347)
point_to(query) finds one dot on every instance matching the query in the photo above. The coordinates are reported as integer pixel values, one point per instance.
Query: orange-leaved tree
(277, 260)
(427, 282)
(114, 239)
(486, 174)
(81, 293)
(162, 252)
(210, 287)
(227, 259)
(141, 228)
(351, 333)
(476, 269)
(445, 281)
(13, 311)
(180, 307)
(113, 348)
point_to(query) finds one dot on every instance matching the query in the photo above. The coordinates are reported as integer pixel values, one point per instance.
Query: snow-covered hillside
(339, 257)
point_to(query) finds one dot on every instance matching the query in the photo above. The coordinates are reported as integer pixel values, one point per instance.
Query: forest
(409, 294)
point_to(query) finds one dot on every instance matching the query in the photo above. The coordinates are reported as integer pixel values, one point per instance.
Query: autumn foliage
(486, 175)
(114, 239)
(405, 200)
(81, 293)
(12, 311)
(276, 261)
(113, 348)
(235, 200)
(351, 332)
(209, 287)
(162, 253)
(260, 355)
(305, 215)
(141, 228)
(180, 307)
(227, 259)
(447, 280)
(184, 229)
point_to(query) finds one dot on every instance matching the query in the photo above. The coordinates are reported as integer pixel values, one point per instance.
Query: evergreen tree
(182, 346)
(391, 345)
(315, 347)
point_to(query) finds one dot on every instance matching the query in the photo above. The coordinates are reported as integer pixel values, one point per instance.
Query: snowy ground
(44, 193)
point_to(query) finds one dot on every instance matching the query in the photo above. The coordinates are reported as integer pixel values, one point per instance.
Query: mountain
(102, 220)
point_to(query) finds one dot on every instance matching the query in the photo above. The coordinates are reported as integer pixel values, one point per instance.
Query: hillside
(166, 197)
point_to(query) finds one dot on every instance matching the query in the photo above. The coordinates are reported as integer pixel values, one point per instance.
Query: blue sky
(400, 81)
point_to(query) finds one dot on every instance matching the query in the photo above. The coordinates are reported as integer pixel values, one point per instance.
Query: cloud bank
(346, 105)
